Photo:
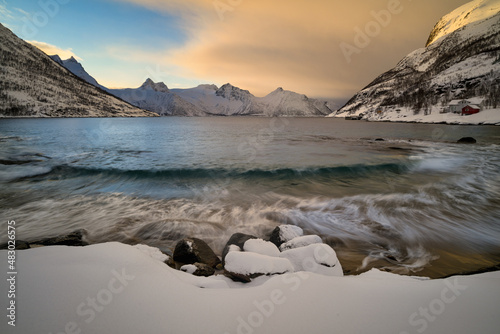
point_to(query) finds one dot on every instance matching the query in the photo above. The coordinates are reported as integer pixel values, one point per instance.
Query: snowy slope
(157, 98)
(286, 103)
(33, 85)
(462, 64)
(473, 11)
(116, 288)
(77, 69)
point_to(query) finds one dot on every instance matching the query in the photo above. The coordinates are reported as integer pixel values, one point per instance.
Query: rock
(316, 258)
(198, 269)
(302, 241)
(192, 250)
(243, 266)
(380, 139)
(237, 239)
(285, 233)
(19, 245)
(260, 246)
(467, 140)
(73, 239)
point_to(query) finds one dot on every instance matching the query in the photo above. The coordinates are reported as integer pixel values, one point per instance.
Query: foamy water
(412, 204)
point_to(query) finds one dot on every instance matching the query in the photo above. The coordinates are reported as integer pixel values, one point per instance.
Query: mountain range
(460, 61)
(208, 99)
(33, 85)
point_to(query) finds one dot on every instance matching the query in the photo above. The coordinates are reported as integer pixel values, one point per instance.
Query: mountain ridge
(461, 64)
(210, 100)
(34, 85)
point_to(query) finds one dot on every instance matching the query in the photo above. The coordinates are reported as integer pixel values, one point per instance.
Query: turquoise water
(414, 203)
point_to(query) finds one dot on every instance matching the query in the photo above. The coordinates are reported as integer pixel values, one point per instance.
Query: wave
(67, 171)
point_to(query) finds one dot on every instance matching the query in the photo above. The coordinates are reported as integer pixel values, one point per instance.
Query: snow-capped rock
(316, 258)
(260, 246)
(461, 61)
(284, 233)
(253, 264)
(302, 241)
(34, 85)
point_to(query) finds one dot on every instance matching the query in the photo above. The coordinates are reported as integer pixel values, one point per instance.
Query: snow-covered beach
(116, 288)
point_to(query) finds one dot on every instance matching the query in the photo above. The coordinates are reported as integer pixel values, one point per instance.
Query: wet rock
(467, 140)
(75, 238)
(285, 233)
(192, 250)
(237, 239)
(19, 245)
(198, 269)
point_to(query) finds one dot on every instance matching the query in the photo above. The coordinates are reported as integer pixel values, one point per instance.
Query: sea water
(400, 197)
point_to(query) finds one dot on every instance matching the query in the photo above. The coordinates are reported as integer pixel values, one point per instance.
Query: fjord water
(415, 203)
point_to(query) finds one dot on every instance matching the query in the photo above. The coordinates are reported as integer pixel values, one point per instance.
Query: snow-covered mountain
(208, 100)
(462, 16)
(33, 85)
(157, 98)
(77, 69)
(461, 61)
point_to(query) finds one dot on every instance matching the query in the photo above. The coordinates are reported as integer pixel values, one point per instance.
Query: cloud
(5, 14)
(260, 44)
(54, 50)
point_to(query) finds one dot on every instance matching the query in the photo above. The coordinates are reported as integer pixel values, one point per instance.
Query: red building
(470, 109)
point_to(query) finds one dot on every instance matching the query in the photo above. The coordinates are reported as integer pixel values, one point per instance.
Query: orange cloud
(260, 45)
(54, 50)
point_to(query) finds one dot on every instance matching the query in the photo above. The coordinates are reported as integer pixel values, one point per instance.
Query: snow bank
(115, 288)
(485, 117)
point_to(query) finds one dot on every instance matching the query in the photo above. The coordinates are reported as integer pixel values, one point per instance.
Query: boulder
(285, 233)
(243, 266)
(260, 246)
(192, 250)
(302, 241)
(198, 269)
(75, 238)
(237, 239)
(467, 140)
(316, 258)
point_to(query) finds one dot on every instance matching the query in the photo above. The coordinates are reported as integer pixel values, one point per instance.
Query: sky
(321, 48)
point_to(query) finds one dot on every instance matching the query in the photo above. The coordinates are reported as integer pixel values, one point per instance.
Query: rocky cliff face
(34, 85)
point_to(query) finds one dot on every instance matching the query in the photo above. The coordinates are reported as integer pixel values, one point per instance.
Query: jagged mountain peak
(473, 11)
(158, 87)
(231, 92)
